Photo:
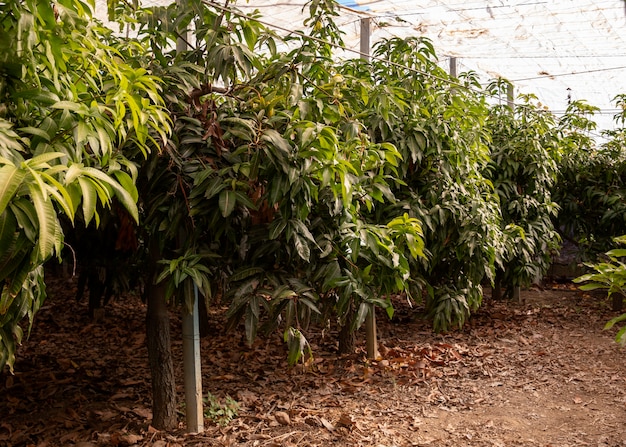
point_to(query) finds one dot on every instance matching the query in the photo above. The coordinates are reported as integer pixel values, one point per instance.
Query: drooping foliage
(523, 168)
(269, 179)
(609, 275)
(317, 185)
(69, 107)
(591, 185)
(594, 202)
(438, 125)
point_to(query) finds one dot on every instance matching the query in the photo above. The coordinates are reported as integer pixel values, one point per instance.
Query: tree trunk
(617, 303)
(496, 293)
(160, 358)
(347, 337)
(205, 329)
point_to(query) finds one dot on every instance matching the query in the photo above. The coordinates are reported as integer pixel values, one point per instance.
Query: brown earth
(542, 372)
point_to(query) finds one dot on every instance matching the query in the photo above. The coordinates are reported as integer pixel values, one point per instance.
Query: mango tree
(268, 181)
(312, 184)
(591, 189)
(438, 125)
(69, 107)
(593, 196)
(524, 155)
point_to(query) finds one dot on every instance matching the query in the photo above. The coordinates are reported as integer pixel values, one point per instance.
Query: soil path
(537, 373)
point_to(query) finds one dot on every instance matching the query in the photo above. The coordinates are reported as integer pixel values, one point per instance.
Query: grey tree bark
(164, 400)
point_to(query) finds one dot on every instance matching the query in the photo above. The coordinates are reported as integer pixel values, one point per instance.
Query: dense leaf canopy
(71, 106)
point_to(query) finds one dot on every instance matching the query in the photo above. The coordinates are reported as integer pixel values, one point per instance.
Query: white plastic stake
(192, 368)
(370, 321)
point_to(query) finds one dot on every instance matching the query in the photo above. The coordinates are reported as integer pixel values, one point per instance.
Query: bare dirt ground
(542, 372)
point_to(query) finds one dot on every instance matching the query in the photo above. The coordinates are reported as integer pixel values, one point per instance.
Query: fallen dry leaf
(129, 439)
(327, 425)
(282, 418)
(346, 420)
(143, 412)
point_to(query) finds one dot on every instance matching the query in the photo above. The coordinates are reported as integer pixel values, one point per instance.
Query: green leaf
(364, 309)
(617, 253)
(8, 226)
(302, 248)
(125, 197)
(70, 105)
(593, 286)
(296, 343)
(89, 197)
(42, 97)
(47, 220)
(302, 229)
(276, 228)
(244, 200)
(76, 171)
(249, 35)
(127, 183)
(252, 319)
(390, 311)
(37, 132)
(277, 140)
(620, 337)
(215, 186)
(227, 201)
(7, 349)
(240, 275)
(10, 180)
(614, 321)
(26, 216)
(60, 194)
(310, 304)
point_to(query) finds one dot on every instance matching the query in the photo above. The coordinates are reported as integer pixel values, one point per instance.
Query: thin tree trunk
(160, 358)
(496, 293)
(617, 303)
(347, 337)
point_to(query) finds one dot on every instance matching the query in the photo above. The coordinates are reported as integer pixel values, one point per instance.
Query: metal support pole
(192, 367)
(510, 96)
(453, 70)
(365, 38)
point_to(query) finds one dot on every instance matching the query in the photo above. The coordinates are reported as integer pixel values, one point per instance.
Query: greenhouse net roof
(559, 50)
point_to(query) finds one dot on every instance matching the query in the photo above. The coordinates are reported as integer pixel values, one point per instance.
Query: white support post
(517, 294)
(453, 73)
(192, 366)
(370, 321)
(371, 338)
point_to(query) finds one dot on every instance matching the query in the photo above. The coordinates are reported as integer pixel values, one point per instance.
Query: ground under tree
(538, 373)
